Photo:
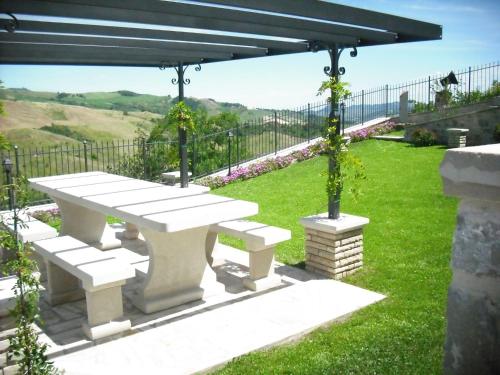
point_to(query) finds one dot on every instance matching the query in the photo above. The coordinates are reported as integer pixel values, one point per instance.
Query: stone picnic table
(173, 221)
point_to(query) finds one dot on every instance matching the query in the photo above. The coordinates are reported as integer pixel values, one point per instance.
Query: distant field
(24, 122)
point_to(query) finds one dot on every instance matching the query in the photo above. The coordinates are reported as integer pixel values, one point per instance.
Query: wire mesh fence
(247, 140)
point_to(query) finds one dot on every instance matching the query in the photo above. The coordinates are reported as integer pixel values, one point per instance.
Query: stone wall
(481, 120)
(473, 330)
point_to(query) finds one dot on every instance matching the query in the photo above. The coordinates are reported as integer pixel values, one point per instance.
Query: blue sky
(471, 37)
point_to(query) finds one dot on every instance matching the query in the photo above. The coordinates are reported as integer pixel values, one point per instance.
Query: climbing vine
(25, 349)
(344, 165)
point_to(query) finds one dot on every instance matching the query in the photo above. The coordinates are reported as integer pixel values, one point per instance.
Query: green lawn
(406, 252)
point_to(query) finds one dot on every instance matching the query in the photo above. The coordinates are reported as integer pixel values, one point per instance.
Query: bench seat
(260, 240)
(29, 229)
(73, 265)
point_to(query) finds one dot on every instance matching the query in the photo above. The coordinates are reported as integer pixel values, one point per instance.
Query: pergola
(177, 34)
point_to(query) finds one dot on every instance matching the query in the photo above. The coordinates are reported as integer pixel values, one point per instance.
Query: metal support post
(180, 68)
(334, 71)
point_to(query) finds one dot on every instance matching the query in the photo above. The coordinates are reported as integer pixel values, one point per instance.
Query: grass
(406, 252)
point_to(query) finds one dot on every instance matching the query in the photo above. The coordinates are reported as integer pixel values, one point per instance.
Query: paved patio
(202, 335)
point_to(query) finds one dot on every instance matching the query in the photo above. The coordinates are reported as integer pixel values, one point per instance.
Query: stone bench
(71, 265)
(260, 240)
(29, 229)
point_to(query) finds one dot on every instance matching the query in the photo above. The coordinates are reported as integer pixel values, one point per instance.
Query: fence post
(275, 133)
(16, 158)
(429, 93)
(7, 166)
(386, 100)
(362, 107)
(229, 136)
(238, 144)
(468, 92)
(144, 158)
(193, 160)
(308, 122)
(85, 156)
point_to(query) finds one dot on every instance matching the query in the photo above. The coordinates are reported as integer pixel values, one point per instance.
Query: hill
(36, 118)
(128, 101)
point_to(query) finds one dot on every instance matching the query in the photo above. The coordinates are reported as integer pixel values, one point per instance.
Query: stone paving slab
(205, 341)
(203, 335)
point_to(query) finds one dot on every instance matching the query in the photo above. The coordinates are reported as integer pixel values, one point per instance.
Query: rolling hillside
(35, 118)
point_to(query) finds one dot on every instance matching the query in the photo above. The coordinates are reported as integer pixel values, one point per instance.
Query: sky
(471, 37)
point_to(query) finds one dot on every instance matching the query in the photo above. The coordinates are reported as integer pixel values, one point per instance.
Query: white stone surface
(201, 342)
(93, 267)
(344, 223)
(472, 172)
(7, 297)
(29, 229)
(257, 234)
(173, 221)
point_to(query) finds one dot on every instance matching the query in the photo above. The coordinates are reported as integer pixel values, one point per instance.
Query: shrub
(423, 137)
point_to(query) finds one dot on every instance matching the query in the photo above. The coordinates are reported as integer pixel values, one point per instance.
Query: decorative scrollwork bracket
(334, 51)
(13, 24)
(180, 68)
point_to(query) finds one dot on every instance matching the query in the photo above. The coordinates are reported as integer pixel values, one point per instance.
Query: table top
(143, 203)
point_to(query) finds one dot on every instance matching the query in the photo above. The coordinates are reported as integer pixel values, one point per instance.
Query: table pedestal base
(86, 225)
(178, 271)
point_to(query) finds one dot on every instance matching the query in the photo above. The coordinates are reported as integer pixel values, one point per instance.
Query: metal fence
(246, 141)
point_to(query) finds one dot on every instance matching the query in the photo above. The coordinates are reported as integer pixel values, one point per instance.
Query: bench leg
(62, 286)
(178, 272)
(86, 225)
(105, 312)
(131, 231)
(262, 274)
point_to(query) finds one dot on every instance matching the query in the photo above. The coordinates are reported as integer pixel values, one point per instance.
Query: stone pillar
(334, 248)
(473, 332)
(457, 137)
(403, 107)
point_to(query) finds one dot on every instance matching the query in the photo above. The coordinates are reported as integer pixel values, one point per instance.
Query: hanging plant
(182, 116)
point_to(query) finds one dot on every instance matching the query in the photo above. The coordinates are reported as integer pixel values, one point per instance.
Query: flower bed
(380, 129)
(268, 165)
(265, 166)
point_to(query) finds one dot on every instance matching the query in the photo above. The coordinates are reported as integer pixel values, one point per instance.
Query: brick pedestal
(334, 248)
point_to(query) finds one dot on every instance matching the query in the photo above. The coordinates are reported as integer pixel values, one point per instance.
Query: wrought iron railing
(247, 140)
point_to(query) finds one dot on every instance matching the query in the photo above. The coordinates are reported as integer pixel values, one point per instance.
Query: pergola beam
(25, 53)
(406, 28)
(161, 46)
(273, 46)
(168, 13)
